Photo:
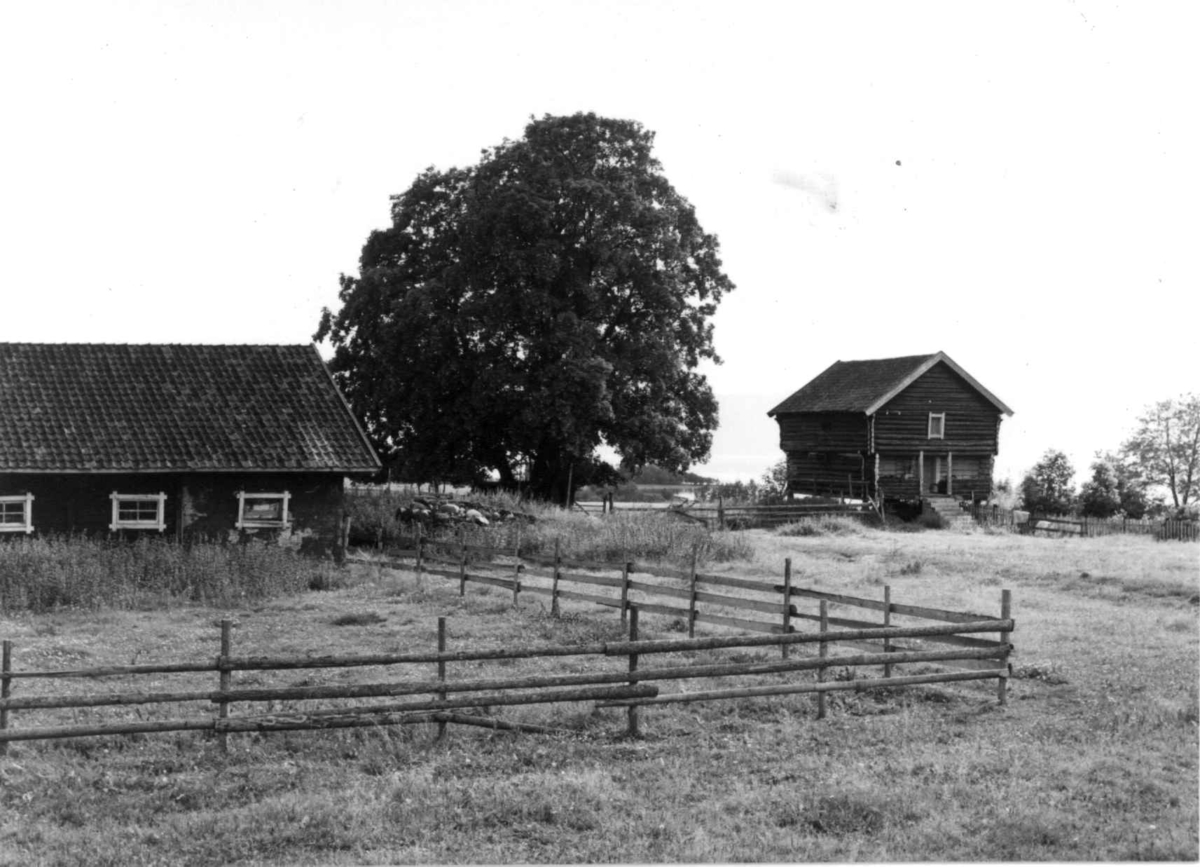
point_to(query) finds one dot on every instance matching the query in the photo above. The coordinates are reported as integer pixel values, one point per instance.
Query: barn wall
(197, 505)
(972, 421)
(210, 503)
(823, 431)
(80, 503)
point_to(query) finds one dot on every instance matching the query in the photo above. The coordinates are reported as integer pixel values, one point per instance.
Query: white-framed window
(16, 514)
(138, 511)
(937, 425)
(257, 509)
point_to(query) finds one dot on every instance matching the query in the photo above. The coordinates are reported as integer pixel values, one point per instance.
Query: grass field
(1094, 757)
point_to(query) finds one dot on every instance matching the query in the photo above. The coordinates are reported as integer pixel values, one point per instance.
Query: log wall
(972, 421)
(823, 431)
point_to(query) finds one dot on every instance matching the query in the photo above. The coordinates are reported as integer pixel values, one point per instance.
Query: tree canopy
(523, 312)
(1165, 447)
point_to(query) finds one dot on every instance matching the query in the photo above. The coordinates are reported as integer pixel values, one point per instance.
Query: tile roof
(173, 408)
(864, 386)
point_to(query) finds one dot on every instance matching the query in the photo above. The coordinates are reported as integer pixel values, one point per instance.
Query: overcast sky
(1013, 183)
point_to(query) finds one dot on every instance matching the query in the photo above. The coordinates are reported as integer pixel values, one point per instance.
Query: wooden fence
(718, 516)
(626, 687)
(1025, 522)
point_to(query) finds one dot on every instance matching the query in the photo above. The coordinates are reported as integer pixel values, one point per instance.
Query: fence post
(625, 570)
(720, 513)
(420, 554)
(787, 602)
(1005, 613)
(887, 622)
(692, 601)
(633, 730)
(225, 679)
(441, 671)
(5, 686)
(824, 654)
(462, 562)
(557, 573)
(345, 540)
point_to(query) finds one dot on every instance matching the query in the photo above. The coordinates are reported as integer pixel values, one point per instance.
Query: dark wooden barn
(905, 430)
(177, 441)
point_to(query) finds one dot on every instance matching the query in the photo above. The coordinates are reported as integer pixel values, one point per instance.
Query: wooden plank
(786, 606)
(984, 662)
(675, 645)
(5, 687)
(737, 623)
(660, 609)
(586, 565)
(739, 583)
(960, 640)
(505, 583)
(660, 590)
(876, 605)
(491, 722)
(588, 597)
(598, 580)
(442, 573)
(746, 604)
(793, 689)
(667, 572)
(226, 676)
(45, 733)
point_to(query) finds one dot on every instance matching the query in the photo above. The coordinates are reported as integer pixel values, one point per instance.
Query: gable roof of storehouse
(865, 386)
(72, 407)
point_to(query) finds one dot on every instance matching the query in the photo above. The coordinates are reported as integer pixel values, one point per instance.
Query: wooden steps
(953, 515)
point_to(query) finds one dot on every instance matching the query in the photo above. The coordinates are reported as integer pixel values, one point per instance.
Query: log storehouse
(912, 431)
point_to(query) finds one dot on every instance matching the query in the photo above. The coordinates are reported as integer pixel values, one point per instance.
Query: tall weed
(43, 574)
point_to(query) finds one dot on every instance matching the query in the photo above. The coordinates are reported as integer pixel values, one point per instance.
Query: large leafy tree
(522, 312)
(1047, 488)
(1165, 447)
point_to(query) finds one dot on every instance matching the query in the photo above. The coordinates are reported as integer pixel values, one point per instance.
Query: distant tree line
(1154, 473)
